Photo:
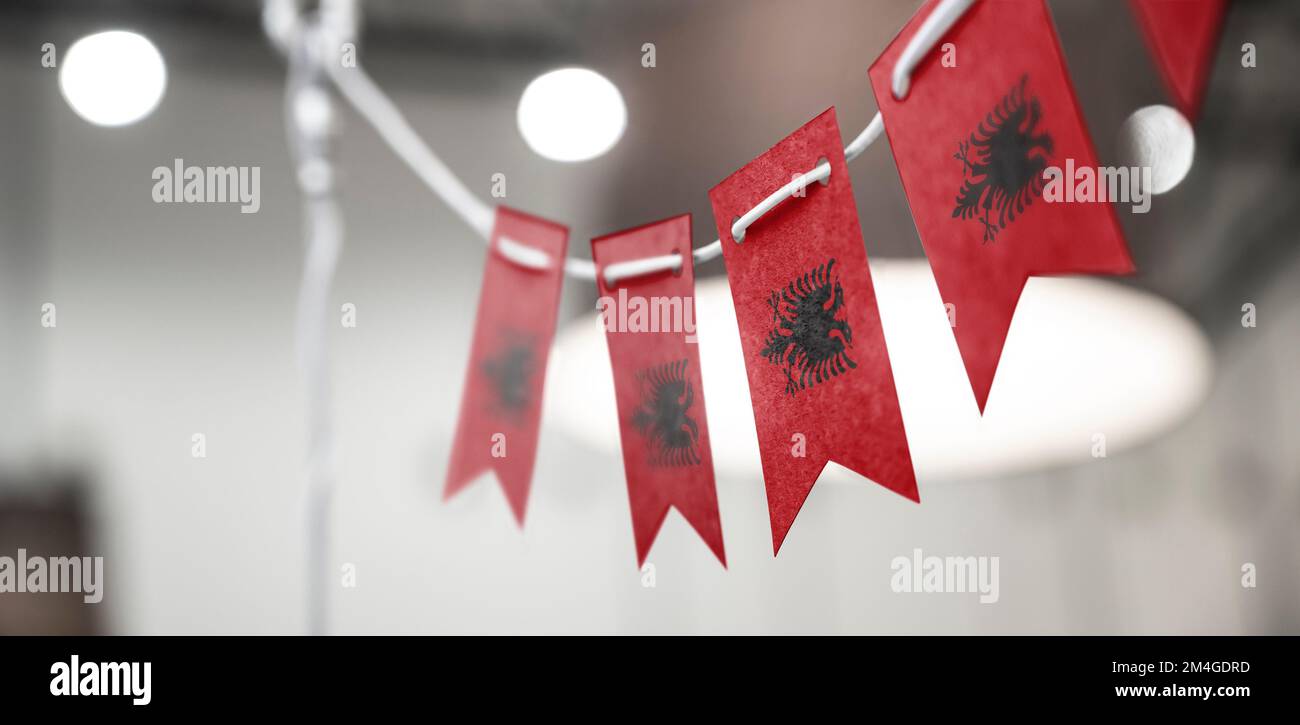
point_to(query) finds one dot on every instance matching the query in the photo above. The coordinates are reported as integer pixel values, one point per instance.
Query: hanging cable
(357, 87)
(360, 90)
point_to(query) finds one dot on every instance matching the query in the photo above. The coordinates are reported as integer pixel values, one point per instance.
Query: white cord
(360, 90)
(637, 267)
(522, 254)
(795, 187)
(865, 139)
(369, 100)
(935, 25)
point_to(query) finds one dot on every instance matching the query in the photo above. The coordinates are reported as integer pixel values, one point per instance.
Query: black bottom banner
(218, 675)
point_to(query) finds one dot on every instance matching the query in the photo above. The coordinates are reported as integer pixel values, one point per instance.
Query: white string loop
(638, 267)
(523, 255)
(795, 187)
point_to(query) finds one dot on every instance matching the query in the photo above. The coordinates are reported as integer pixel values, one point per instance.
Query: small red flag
(650, 327)
(819, 375)
(500, 412)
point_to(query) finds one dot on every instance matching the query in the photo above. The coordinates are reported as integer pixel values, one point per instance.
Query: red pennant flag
(1182, 35)
(650, 326)
(501, 409)
(819, 374)
(985, 119)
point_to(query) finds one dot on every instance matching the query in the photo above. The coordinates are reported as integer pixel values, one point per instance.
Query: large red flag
(819, 375)
(984, 121)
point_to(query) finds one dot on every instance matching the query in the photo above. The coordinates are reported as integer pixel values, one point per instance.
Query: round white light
(113, 78)
(571, 114)
(1159, 137)
(1084, 357)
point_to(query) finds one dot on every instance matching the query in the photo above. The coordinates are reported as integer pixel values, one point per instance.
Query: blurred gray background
(179, 319)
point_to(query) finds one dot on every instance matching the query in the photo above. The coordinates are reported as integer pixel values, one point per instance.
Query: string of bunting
(789, 234)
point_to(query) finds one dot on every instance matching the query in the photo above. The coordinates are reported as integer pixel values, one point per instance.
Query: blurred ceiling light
(1159, 137)
(113, 78)
(1084, 357)
(571, 114)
